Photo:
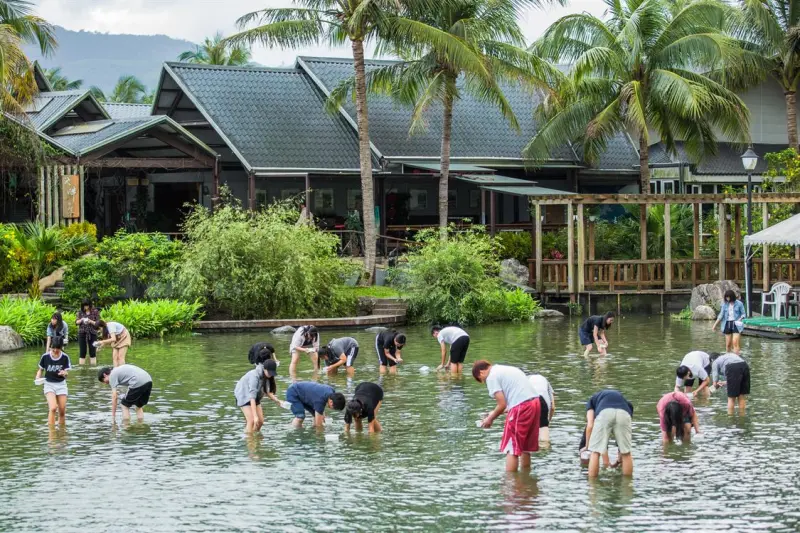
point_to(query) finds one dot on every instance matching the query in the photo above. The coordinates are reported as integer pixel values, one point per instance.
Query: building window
(323, 200)
(474, 198)
(353, 199)
(418, 199)
(287, 194)
(261, 198)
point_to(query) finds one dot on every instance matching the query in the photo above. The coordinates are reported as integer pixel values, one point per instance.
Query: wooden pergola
(581, 273)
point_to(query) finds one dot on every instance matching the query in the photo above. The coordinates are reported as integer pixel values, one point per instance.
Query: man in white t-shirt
(458, 340)
(510, 388)
(547, 404)
(695, 364)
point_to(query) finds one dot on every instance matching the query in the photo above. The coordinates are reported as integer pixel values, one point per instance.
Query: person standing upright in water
(57, 328)
(593, 331)
(389, 346)
(87, 321)
(55, 365)
(458, 340)
(305, 339)
(731, 316)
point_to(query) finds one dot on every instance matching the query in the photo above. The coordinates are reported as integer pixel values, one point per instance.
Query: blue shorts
(586, 337)
(298, 407)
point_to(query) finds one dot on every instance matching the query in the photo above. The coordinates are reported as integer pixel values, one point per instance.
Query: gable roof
(479, 129)
(42, 81)
(726, 162)
(118, 110)
(273, 119)
(48, 108)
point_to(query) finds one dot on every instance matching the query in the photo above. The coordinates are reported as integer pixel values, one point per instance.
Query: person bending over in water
(547, 399)
(305, 339)
(458, 340)
(593, 331)
(366, 402)
(695, 364)
(139, 384)
(677, 416)
(737, 379)
(338, 352)
(607, 413)
(312, 397)
(389, 346)
(252, 387)
(115, 335)
(257, 348)
(511, 390)
(55, 364)
(585, 454)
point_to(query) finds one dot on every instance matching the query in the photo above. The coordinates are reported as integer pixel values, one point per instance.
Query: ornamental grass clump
(29, 318)
(154, 318)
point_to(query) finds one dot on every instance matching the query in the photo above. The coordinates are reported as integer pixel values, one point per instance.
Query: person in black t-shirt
(593, 331)
(55, 365)
(389, 345)
(366, 402)
(256, 350)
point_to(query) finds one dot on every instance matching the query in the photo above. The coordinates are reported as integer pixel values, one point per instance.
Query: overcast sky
(195, 19)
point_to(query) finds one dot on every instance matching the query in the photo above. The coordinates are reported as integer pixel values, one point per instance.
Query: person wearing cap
(339, 352)
(366, 403)
(458, 339)
(250, 390)
(313, 397)
(138, 382)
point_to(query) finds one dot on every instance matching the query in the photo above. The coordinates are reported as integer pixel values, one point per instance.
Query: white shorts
(59, 388)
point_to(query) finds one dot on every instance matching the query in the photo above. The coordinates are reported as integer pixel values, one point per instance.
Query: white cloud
(195, 19)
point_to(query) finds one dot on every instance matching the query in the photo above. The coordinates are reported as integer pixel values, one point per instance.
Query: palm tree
(98, 93)
(128, 90)
(60, 82)
(215, 51)
(642, 70)
(334, 22)
(18, 15)
(485, 37)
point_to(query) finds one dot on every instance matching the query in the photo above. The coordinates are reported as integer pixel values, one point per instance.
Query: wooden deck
(784, 328)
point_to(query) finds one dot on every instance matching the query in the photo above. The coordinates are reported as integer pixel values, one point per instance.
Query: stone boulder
(704, 312)
(548, 313)
(710, 294)
(10, 340)
(376, 329)
(512, 270)
(283, 330)
(365, 305)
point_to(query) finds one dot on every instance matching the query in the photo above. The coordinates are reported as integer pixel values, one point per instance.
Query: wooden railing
(352, 243)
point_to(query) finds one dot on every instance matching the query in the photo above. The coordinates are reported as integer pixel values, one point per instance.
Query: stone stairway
(52, 295)
(390, 307)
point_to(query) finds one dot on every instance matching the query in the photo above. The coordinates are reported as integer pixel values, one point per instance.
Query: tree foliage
(215, 51)
(128, 90)
(59, 82)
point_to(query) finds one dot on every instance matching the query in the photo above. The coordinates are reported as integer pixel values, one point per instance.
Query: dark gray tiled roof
(275, 118)
(657, 155)
(78, 143)
(127, 110)
(479, 129)
(619, 154)
(726, 162)
(51, 105)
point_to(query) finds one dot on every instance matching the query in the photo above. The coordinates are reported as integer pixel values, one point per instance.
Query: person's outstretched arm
(500, 398)
(444, 355)
(342, 360)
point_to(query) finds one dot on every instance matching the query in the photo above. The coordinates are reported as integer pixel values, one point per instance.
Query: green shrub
(684, 314)
(29, 318)
(91, 277)
(259, 265)
(456, 281)
(87, 234)
(142, 256)
(154, 318)
(515, 245)
(13, 272)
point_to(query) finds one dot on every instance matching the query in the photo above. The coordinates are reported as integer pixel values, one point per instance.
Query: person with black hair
(389, 346)
(696, 364)
(458, 339)
(57, 328)
(731, 315)
(55, 365)
(366, 402)
(677, 416)
(257, 348)
(338, 352)
(87, 321)
(609, 413)
(139, 385)
(305, 339)
(737, 379)
(593, 332)
(252, 387)
(115, 335)
(312, 397)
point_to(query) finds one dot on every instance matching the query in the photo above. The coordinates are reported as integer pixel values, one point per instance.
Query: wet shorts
(458, 350)
(138, 396)
(738, 377)
(382, 359)
(351, 355)
(544, 413)
(298, 407)
(609, 422)
(59, 388)
(690, 382)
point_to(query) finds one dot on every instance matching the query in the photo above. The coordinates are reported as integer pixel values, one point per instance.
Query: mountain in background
(101, 58)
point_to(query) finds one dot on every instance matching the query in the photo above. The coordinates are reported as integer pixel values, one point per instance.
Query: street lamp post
(749, 161)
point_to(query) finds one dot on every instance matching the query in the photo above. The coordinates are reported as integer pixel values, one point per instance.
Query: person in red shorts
(514, 394)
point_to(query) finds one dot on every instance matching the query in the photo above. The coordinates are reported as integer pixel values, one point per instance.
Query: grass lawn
(374, 292)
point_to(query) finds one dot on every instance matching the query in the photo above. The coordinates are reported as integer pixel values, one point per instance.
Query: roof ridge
(349, 60)
(125, 103)
(71, 92)
(178, 64)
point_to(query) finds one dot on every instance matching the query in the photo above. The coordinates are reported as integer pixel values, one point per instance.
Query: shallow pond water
(188, 467)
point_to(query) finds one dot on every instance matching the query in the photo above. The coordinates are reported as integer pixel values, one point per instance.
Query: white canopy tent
(782, 233)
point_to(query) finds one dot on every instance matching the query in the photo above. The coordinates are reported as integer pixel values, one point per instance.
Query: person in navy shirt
(312, 397)
(609, 413)
(55, 365)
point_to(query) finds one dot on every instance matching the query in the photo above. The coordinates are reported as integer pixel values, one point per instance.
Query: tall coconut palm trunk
(365, 155)
(644, 165)
(791, 118)
(444, 175)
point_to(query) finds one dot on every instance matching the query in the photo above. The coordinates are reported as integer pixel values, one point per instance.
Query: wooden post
(722, 222)
(765, 252)
(695, 241)
(581, 251)
(308, 195)
(56, 196)
(492, 212)
(533, 237)
(539, 280)
(41, 214)
(82, 174)
(215, 184)
(384, 219)
(667, 249)
(48, 195)
(737, 232)
(483, 207)
(570, 249)
(641, 273)
(728, 235)
(591, 240)
(251, 194)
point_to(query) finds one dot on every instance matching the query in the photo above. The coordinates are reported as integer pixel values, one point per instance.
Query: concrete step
(54, 290)
(389, 310)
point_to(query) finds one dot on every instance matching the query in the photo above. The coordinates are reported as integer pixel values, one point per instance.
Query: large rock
(283, 330)
(10, 340)
(377, 329)
(704, 312)
(548, 313)
(710, 294)
(512, 270)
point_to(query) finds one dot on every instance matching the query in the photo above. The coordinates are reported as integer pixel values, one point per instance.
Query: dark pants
(85, 341)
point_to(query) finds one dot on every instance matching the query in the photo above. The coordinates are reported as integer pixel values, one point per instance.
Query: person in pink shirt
(677, 416)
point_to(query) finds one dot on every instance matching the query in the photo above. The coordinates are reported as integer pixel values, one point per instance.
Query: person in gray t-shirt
(338, 352)
(736, 373)
(250, 390)
(139, 384)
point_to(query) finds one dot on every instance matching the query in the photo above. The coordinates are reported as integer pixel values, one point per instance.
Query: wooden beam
(722, 239)
(48, 195)
(643, 231)
(81, 174)
(59, 171)
(165, 163)
(581, 251)
(570, 249)
(41, 214)
(619, 199)
(174, 105)
(539, 280)
(189, 149)
(591, 240)
(765, 251)
(667, 248)
(695, 239)
(483, 207)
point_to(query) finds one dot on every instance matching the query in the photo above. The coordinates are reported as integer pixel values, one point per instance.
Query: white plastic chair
(778, 300)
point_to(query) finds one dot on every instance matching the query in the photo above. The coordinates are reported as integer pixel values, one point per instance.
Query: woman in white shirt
(115, 335)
